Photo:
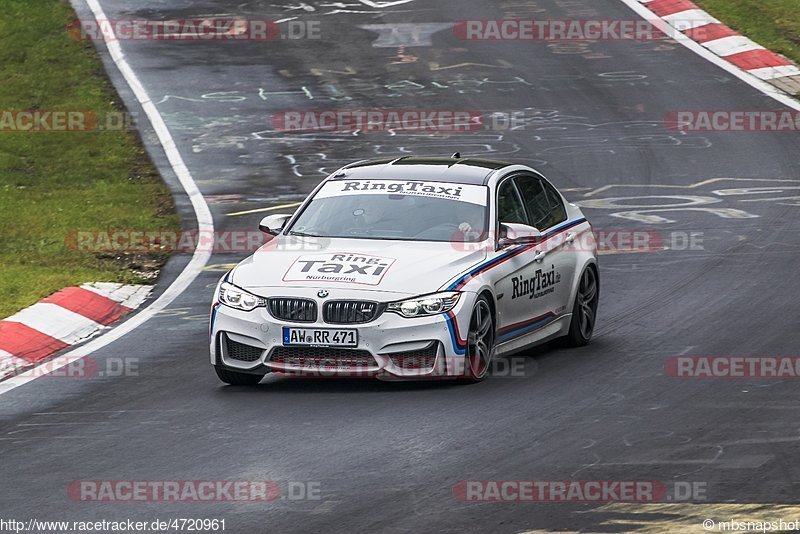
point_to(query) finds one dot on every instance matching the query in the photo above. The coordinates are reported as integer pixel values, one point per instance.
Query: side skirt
(550, 331)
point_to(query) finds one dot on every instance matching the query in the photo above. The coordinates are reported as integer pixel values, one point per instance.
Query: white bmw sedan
(406, 269)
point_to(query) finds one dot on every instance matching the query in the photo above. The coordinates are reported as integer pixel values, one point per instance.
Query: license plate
(320, 337)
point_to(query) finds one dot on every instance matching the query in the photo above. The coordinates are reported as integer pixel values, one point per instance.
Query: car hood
(401, 267)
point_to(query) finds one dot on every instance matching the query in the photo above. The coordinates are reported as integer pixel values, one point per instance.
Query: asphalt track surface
(387, 455)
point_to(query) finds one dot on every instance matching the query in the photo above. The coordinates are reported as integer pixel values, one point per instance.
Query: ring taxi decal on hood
(346, 267)
(474, 194)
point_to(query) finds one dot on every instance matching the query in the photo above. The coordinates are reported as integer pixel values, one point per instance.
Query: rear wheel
(480, 341)
(237, 379)
(584, 312)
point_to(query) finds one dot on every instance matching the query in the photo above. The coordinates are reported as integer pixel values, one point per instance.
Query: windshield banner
(474, 194)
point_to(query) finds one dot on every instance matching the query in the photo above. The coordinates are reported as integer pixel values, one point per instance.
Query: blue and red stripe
(516, 251)
(459, 344)
(215, 307)
(519, 329)
(511, 331)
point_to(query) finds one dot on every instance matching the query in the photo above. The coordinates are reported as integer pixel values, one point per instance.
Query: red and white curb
(63, 319)
(697, 25)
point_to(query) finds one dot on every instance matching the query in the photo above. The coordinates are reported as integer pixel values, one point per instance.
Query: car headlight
(232, 296)
(425, 305)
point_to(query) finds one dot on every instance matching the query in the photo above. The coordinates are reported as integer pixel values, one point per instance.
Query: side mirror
(273, 224)
(517, 234)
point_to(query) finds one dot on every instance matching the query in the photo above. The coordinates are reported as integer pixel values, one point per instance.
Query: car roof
(457, 170)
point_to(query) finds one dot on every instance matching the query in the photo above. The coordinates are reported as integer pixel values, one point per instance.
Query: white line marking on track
(697, 48)
(205, 222)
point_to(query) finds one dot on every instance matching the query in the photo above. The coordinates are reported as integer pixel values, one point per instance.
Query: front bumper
(390, 346)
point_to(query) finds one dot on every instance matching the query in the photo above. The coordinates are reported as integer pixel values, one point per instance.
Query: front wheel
(480, 341)
(237, 379)
(584, 312)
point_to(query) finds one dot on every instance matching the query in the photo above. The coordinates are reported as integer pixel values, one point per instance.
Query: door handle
(539, 256)
(570, 238)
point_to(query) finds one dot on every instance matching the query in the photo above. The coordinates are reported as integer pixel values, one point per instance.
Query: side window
(535, 200)
(543, 203)
(509, 205)
(558, 213)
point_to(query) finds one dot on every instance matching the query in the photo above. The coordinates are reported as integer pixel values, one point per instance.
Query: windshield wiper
(303, 234)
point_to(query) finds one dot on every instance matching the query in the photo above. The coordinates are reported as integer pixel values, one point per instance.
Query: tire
(237, 379)
(480, 342)
(584, 311)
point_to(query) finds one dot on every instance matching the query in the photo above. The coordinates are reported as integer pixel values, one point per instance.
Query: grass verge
(53, 184)
(774, 24)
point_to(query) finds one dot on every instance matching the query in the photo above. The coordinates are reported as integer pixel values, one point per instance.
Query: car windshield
(395, 209)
